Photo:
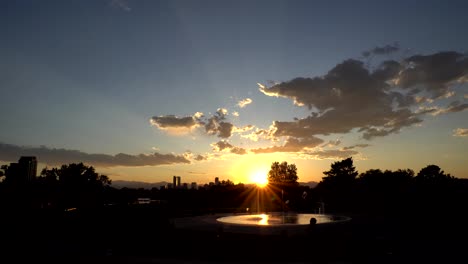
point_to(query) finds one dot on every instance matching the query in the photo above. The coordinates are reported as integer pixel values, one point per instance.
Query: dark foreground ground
(147, 235)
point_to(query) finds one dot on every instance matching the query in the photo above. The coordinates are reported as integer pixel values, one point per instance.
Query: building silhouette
(24, 171)
(28, 167)
(176, 182)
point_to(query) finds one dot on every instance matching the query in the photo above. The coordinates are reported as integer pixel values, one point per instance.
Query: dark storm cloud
(51, 156)
(376, 103)
(434, 73)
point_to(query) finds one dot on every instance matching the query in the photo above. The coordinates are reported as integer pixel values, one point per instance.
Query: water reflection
(280, 219)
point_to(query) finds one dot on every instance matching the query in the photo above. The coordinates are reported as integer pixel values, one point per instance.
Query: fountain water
(281, 219)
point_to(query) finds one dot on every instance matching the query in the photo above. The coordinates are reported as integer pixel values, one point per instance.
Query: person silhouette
(312, 224)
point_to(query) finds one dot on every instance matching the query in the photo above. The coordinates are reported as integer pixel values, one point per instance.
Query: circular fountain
(279, 223)
(280, 219)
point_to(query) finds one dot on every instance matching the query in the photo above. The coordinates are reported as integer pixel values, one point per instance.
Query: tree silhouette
(433, 174)
(341, 173)
(337, 188)
(282, 173)
(79, 185)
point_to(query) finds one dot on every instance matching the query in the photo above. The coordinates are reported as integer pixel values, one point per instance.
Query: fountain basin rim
(253, 220)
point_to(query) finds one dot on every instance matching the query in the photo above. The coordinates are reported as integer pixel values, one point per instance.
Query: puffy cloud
(243, 103)
(221, 145)
(460, 132)
(215, 125)
(175, 124)
(54, 157)
(243, 129)
(332, 154)
(387, 49)
(291, 145)
(224, 145)
(222, 129)
(222, 112)
(235, 114)
(256, 135)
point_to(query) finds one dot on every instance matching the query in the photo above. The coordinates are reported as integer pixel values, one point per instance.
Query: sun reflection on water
(263, 220)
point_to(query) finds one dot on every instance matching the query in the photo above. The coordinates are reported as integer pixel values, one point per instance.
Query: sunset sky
(144, 90)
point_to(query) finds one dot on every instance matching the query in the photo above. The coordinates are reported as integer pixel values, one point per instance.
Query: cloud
(224, 145)
(291, 145)
(243, 129)
(235, 114)
(243, 103)
(433, 73)
(356, 146)
(376, 103)
(175, 124)
(384, 50)
(222, 112)
(460, 132)
(332, 143)
(199, 157)
(215, 125)
(331, 154)
(120, 4)
(455, 106)
(52, 156)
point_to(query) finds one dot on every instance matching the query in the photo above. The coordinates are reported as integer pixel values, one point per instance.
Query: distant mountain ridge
(136, 184)
(311, 184)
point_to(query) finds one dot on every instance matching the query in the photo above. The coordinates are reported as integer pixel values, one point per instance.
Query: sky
(144, 90)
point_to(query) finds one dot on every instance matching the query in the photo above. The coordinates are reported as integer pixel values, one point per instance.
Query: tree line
(342, 189)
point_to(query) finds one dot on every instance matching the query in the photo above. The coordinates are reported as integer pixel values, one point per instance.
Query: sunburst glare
(260, 178)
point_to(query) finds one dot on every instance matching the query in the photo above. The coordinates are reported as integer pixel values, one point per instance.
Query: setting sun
(260, 177)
